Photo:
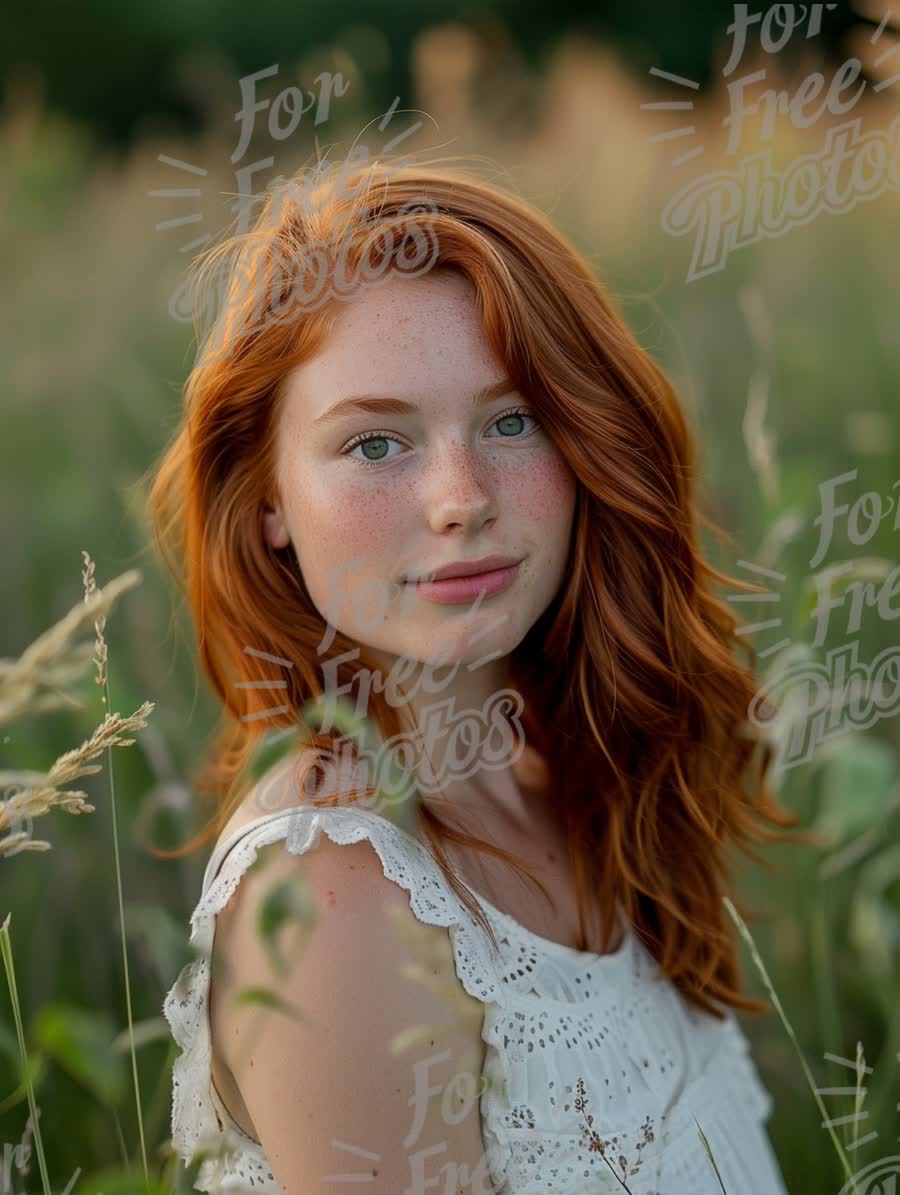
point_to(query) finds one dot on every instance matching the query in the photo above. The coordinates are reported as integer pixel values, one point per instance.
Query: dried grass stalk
(41, 792)
(31, 683)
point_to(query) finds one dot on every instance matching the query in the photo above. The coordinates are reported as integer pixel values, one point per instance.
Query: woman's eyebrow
(374, 404)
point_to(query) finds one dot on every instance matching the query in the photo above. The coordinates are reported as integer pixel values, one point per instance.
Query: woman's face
(423, 477)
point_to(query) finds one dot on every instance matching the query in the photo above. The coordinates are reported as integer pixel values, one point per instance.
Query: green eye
(380, 443)
(512, 418)
(380, 439)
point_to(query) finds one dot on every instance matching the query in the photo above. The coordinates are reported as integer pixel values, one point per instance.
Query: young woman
(512, 971)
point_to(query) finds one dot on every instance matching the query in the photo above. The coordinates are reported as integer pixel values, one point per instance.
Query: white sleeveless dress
(553, 1015)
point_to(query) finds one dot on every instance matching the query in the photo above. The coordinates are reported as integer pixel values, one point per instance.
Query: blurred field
(788, 362)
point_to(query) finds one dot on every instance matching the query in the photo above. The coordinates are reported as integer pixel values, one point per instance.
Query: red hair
(634, 700)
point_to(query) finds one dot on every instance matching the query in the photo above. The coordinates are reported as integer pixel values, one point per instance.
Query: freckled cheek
(366, 520)
(546, 492)
(350, 524)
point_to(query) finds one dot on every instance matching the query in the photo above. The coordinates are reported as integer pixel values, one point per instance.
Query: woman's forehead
(417, 351)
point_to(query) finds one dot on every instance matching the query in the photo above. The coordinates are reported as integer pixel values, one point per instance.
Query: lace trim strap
(223, 849)
(195, 1120)
(404, 860)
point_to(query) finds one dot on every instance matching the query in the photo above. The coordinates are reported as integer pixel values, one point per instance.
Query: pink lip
(454, 591)
(467, 568)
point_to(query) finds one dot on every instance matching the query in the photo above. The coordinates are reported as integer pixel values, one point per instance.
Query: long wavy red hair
(634, 701)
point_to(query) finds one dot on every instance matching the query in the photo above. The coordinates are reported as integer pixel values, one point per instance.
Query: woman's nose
(458, 488)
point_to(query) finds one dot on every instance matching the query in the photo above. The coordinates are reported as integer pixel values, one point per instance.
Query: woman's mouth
(455, 591)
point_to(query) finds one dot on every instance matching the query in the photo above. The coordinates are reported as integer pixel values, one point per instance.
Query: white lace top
(554, 1018)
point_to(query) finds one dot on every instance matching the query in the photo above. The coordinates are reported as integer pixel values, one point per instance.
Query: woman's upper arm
(327, 1094)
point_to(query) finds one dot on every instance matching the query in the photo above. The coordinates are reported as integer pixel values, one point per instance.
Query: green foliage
(266, 998)
(117, 1181)
(112, 66)
(82, 1042)
(856, 788)
(283, 903)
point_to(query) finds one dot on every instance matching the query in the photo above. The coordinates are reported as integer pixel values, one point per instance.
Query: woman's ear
(275, 528)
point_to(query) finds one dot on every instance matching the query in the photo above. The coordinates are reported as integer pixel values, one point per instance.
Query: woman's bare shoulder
(353, 982)
(301, 778)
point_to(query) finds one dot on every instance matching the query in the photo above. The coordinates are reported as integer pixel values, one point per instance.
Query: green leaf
(286, 901)
(9, 1044)
(273, 745)
(396, 791)
(35, 1070)
(116, 1181)
(82, 1042)
(709, 1152)
(342, 717)
(153, 1029)
(857, 784)
(267, 999)
(159, 937)
(874, 923)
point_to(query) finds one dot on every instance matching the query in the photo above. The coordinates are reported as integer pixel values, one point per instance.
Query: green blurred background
(787, 360)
